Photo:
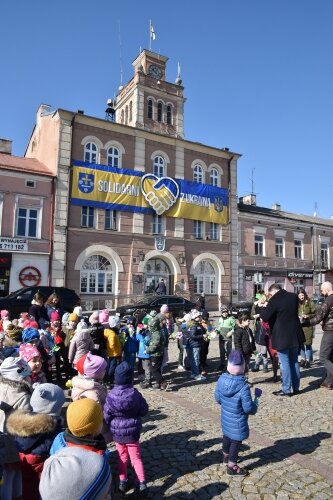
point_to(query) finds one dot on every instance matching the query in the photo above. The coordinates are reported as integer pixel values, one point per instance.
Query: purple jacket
(123, 410)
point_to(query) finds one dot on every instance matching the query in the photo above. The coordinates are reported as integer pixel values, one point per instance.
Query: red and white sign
(30, 276)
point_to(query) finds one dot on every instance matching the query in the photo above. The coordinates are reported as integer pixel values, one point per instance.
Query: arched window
(150, 109)
(214, 177)
(90, 152)
(205, 278)
(130, 111)
(96, 275)
(122, 116)
(198, 174)
(113, 157)
(126, 115)
(169, 114)
(159, 111)
(159, 166)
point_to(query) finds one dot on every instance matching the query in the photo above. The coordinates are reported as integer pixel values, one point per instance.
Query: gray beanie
(75, 473)
(47, 398)
(15, 369)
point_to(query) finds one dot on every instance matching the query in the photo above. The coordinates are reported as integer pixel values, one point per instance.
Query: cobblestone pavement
(289, 452)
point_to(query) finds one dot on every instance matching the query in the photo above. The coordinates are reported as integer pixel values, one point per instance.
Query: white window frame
(214, 177)
(324, 252)
(93, 278)
(91, 212)
(91, 152)
(198, 229)
(205, 282)
(298, 248)
(36, 203)
(214, 231)
(113, 154)
(27, 219)
(158, 224)
(198, 175)
(113, 220)
(159, 166)
(279, 245)
(259, 245)
(198, 163)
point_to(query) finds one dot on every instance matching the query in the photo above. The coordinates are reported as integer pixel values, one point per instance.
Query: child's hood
(25, 424)
(83, 383)
(231, 384)
(123, 398)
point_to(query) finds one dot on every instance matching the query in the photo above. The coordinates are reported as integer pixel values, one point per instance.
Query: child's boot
(255, 368)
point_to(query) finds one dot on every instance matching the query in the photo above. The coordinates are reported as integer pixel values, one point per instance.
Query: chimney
(276, 207)
(6, 146)
(249, 199)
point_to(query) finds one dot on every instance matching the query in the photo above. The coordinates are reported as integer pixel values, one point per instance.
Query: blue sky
(258, 78)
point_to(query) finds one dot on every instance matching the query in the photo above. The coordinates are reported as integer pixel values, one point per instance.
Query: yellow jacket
(113, 346)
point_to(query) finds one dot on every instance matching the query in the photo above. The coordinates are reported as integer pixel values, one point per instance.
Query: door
(155, 270)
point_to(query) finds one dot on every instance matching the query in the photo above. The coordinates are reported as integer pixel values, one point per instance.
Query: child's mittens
(257, 392)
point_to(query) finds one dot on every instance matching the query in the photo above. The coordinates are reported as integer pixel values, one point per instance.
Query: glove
(257, 392)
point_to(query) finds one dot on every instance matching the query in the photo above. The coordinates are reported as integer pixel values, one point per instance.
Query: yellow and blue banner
(128, 190)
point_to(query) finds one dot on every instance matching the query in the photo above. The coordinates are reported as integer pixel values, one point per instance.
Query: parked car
(318, 301)
(240, 307)
(178, 305)
(20, 300)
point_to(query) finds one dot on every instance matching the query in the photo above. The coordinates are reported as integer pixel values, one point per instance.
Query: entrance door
(154, 271)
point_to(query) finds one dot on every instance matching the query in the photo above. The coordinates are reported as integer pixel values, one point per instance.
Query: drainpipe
(51, 236)
(230, 232)
(68, 202)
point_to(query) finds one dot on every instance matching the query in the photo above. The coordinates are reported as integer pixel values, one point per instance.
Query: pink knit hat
(4, 314)
(104, 317)
(236, 363)
(94, 366)
(164, 308)
(55, 316)
(27, 352)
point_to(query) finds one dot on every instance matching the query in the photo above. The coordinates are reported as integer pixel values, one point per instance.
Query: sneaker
(164, 386)
(255, 368)
(142, 486)
(122, 486)
(145, 385)
(181, 368)
(154, 388)
(302, 362)
(237, 471)
(200, 378)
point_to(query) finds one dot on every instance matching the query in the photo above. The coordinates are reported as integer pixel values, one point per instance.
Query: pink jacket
(84, 387)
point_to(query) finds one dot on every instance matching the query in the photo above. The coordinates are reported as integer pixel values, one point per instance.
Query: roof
(18, 163)
(279, 214)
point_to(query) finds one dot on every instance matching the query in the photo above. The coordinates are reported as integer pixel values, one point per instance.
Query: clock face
(155, 71)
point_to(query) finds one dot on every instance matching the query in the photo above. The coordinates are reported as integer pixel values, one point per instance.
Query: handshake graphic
(161, 193)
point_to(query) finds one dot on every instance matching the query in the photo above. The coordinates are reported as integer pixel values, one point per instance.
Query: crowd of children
(97, 356)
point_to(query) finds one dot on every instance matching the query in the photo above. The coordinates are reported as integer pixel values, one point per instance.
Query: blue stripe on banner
(111, 206)
(106, 168)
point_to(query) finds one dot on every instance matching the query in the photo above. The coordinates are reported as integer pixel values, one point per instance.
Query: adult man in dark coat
(161, 288)
(281, 313)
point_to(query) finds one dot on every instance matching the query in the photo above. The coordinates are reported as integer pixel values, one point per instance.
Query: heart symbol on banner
(160, 192)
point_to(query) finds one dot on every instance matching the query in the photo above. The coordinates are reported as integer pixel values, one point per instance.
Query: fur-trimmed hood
(25, 424)
(15, 384)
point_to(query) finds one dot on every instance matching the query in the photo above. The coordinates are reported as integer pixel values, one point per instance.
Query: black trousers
(156, 368)
(225, 349)
(231, 448)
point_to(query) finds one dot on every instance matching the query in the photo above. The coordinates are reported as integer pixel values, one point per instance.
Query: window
(298, 249)
(130, 111)
(27, 222)
(87, 216)
(113, 157)
(110, 221)
(30, 183)
(126, 115)
(198, 174)
(150, 109)
(198, 229)
(96, 275)
(122, 116)
(259, 245)
(90, 152)
(159, 111)
(214, 177)
(279, 247)
(159, 166)
(204, 278)
(213, 231)
(169, 114)
(158, 224)
(324, 255)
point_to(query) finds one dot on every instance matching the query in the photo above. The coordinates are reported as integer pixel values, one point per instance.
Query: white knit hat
(47, 398)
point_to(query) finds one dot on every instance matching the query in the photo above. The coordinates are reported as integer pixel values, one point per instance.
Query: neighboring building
(282, 247)
(117, 233)
(26, 221)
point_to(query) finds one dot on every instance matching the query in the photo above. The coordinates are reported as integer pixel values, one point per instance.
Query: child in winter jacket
(88, 384)
(15, 392)
(59, 350)
(31, 355)
(84, 426)
(244, 339)
(143, 337)
(131, 343)
(232, 392)
(97, 334)
(225, 328)
(81, 343)
(113, 346)
(123, 410)
(34, 433)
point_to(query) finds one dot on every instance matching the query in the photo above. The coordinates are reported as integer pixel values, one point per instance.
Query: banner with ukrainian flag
(128, 190)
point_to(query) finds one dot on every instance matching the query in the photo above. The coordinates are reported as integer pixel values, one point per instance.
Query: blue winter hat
(29, 335)
(123, 374)
(236, 363)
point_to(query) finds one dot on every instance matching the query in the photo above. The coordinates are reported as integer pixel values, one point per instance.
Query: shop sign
(30, 276)
(13, 244)
(299, 275)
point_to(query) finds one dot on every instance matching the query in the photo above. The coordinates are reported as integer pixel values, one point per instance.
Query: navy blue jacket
(195, 335)
(233, 393)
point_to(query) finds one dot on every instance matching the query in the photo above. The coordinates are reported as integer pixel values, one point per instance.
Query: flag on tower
(152, 31)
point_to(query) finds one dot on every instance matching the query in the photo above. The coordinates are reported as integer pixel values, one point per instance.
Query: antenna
(120, 55)
(252, 181)
(315, 210)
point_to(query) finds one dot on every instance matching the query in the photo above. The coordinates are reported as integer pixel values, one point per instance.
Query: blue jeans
(307, 352)
(195, 361)
(112, 365)
(290, 369)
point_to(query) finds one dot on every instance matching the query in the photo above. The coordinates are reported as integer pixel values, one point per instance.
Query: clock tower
(150, 102)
